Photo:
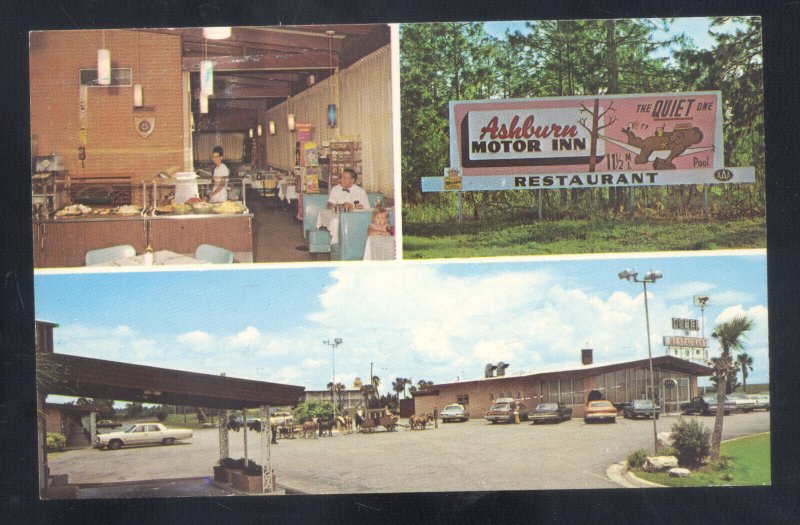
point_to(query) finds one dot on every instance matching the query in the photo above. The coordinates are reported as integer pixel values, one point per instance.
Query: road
(471, 456)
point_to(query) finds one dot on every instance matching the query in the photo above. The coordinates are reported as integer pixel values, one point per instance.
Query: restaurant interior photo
(211, 145)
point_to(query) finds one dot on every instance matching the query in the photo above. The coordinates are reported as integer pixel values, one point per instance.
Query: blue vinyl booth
(352, 228)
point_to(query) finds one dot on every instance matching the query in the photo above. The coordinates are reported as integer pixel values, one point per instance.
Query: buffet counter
(64, 241)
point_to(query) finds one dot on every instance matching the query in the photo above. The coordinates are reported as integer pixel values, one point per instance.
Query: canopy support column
(266, 460)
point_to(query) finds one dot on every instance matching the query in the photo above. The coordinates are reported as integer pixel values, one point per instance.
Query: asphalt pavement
(471, 456)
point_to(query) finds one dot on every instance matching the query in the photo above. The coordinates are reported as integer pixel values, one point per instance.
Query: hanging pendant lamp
(104, 63)
(271, 127)
(216, 33)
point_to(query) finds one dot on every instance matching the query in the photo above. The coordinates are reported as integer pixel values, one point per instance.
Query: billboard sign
(588, 142)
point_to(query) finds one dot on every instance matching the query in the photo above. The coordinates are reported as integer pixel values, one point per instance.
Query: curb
(619, 474)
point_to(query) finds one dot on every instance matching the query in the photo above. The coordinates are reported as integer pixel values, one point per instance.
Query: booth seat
(319, 241)
(353, 235)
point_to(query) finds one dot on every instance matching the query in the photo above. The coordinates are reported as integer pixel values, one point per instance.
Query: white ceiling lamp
(217, 33)
(271, 127)
(206, 73)
(311, 80)
(138, 98)
(290, 121)
(104, 63)
(251, 133)
(259, 130)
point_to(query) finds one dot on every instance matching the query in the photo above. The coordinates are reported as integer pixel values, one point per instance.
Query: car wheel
(114, 444)
(494, 421)
(657, 416)
(168, 441)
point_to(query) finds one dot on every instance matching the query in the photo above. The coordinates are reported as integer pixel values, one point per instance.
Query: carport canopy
(69, 375)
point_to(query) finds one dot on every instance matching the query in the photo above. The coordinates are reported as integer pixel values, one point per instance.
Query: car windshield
(601, 404)
(710, 399)
(543, 407)
(128, 428)
(500, 406)
(452, 409)
(642, 403)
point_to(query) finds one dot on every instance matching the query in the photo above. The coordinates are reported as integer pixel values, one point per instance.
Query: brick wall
(113, 145)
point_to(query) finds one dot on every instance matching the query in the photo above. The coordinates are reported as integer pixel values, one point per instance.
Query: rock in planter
(656, 463)
(680, 473)
(664, 439)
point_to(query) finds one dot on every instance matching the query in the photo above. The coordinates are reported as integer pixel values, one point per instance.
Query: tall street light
(333, 344)
(651, 277)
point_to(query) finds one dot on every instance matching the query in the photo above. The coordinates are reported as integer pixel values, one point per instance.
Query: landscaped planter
(223, 474)
(245, 482)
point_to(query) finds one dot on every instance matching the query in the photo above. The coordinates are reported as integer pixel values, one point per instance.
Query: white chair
(213, 254)
(112, 253)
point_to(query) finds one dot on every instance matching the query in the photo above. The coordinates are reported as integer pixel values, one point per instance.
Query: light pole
(650, 277)
(333, 344)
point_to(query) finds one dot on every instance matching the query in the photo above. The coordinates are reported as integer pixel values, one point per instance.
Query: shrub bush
(636, 459)
(161, 415)
(56, 442)
(691, 441)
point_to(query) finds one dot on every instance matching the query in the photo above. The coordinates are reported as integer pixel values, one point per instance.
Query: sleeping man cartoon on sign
(677, 142)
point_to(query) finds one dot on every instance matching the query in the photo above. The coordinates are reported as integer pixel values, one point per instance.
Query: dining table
(160, 258)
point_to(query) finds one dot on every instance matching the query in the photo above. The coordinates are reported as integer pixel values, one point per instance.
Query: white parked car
(762, 400)
(281, 418)
(142, 434)
(743, 402)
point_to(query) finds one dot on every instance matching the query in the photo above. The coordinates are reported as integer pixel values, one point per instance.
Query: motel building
(620, 382)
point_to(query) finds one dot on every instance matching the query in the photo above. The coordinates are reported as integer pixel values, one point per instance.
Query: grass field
(751, 466)
(446, 240)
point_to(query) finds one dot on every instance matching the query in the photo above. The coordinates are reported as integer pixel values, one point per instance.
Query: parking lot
(471, 456)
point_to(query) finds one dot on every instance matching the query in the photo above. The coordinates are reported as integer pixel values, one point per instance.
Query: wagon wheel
(390, 427)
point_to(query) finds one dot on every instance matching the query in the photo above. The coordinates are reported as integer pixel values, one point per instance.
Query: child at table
(380, 223)
(380, 237)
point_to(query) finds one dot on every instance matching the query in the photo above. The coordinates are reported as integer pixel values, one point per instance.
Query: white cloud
(247, 338)
(313, 363)
(197, 339)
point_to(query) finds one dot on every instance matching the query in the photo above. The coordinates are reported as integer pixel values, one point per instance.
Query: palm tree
(331, 388)
(745, 363)
(399, 385)
(731, 383)
(730, 336)
(376, 382)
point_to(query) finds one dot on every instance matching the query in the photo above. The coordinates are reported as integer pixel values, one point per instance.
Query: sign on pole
(587, 142)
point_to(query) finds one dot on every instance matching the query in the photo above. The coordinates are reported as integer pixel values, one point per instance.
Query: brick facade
(113, 146)
(620, 383)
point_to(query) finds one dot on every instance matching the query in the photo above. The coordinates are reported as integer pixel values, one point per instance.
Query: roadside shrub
(725, 463)
(636, 459)
(691, 441)
(667, 451)
(56, 442)
(161, 415)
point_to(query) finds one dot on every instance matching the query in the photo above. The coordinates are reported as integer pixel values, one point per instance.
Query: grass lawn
(751, 466)
(474, 239)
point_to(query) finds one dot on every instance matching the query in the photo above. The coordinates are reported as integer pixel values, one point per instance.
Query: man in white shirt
(346, 193)
(219, 193)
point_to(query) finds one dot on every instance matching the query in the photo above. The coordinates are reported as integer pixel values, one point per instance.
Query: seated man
(347, 194)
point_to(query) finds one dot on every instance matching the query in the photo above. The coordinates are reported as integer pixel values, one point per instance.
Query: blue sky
(437, 321)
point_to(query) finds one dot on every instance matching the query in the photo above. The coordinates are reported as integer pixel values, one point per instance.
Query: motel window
(462, 399)
(491, 396)
(577, 391)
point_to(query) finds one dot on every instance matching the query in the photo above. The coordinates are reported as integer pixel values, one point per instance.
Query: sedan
(600, 410)
(454, 413)
(550, 412)
(506, 409)
(762, 401)
(640, 408)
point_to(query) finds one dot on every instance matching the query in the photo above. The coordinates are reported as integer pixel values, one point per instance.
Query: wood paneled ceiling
(259, 67)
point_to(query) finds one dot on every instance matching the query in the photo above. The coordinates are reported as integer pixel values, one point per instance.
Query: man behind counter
(219, 193)
(348, 193)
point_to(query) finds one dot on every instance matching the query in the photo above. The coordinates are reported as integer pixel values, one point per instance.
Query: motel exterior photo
(621, 382)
